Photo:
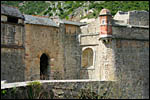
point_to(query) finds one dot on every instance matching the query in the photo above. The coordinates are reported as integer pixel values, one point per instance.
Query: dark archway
(44, 67)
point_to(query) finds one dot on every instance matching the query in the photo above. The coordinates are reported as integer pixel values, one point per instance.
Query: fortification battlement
(140, 18)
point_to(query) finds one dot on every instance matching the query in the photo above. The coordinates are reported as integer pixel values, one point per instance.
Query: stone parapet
(70, 89)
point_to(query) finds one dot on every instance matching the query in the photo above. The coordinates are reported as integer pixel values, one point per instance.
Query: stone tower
(105, 24)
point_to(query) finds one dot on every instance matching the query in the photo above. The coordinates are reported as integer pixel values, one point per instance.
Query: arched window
(87, 58)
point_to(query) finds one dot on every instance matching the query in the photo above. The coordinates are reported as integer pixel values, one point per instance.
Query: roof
(29, 19)
(11, 11)
(72, 23)
(104, 12)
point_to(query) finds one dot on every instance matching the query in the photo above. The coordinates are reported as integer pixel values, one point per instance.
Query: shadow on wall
(14, 70)
(132, 71)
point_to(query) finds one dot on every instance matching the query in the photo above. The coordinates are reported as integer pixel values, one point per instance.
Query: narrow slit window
(103, 21)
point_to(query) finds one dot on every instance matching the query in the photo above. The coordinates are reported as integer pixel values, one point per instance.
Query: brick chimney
(105, 24)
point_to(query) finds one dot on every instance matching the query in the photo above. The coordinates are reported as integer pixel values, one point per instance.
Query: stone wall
(124, 59)
(12, 34)
(118, 59)
(43, 39)
(93, 72)
(72, 51)
(103, 67)
(12, 52)
(132, 66)
(139, 18)
(92, 27)
(59, 44)
(89, 39)
(131, 51)
(103, 55)
(131, 32)
(71, 89)
(122, 16)
(12, 64)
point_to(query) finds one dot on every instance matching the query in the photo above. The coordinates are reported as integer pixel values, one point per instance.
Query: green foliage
(66, 8)
(34, 90)
(12, 3)
(3, 92)
(115, 6)
(35, 83)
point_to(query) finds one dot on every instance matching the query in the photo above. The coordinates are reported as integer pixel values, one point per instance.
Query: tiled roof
(29, 19)
(72, 23)
(11, 11)
(104, 12)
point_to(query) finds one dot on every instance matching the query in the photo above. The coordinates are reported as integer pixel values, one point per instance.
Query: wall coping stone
(131, 26)
(21, 84)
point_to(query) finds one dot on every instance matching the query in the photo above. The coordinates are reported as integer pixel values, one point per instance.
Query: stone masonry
(24, 43)
(120, 55)
(125, 56)
(12, 45)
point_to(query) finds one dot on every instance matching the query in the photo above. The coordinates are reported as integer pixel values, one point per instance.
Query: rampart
(112, 51)
(67, 89)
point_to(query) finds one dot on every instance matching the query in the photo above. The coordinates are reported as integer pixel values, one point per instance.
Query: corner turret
(105, 25)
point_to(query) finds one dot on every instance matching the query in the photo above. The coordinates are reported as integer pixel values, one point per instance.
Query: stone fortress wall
(77, 51)
(12, 45)
(126, 57)
(61, 46)
(34, 37)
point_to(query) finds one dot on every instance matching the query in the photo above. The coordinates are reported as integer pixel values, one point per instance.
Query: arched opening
(87, 58)
(44, 67)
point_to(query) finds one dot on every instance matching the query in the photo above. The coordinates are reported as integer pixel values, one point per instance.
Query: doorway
(44, 67)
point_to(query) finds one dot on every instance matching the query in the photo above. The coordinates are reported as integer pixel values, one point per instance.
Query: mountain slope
(75, 9)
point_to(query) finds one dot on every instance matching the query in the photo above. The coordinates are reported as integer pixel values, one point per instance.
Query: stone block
(4, 18)
(20, 21)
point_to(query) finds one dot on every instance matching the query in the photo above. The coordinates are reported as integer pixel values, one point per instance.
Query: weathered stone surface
(131, 33)
(132, 61)
(133, 18)
(91, 28)
(125, 58)
(74, 90)
(12, 52)
(12, 64)
(39, 40)
(139, 18)
(61, 46)
(3, 18)
(12, 34)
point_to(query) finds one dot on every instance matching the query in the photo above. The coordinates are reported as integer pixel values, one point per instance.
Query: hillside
(75, 10)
